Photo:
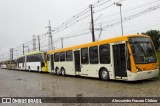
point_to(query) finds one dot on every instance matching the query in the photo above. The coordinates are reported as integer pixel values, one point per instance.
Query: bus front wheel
(104, 74)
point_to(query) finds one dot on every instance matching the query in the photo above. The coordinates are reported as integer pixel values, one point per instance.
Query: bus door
(25, 63)
(48, 63)
(77, 61)
(119, 55)
(52, 62)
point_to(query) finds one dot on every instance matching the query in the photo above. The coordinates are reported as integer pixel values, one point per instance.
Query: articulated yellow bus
(33, 61)
(130, 58)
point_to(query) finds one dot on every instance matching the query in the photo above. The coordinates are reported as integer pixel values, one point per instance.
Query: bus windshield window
(41, 57)
(35, 58)
(143, 50)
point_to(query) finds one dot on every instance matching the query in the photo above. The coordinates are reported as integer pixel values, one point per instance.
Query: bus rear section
(34, 61)
(11, 64)
(21, 61)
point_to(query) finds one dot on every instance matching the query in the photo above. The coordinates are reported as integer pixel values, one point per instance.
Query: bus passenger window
(84, 56)
(69, 56)
(104, 52)
(93, 54)
(56, 57)
(62, 56)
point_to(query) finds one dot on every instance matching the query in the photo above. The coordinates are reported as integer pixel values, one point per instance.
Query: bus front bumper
(143, 75)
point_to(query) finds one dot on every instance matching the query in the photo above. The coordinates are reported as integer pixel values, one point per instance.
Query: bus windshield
(143, 50)
(35, 57)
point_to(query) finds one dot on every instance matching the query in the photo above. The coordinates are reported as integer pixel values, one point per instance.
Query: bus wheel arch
(103, 74)
(63, 72)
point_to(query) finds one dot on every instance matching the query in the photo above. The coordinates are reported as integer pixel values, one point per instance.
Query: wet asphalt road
(32, 84)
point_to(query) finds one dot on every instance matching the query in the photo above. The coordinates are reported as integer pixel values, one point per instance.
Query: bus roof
(8, 60)
(30, 53)
(111, 40)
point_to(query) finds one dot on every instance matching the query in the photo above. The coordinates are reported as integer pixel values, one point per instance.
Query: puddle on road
(79, 95)
(19, 79)
(48, 88)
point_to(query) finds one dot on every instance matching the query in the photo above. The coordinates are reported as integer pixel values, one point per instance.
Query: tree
(155, 36)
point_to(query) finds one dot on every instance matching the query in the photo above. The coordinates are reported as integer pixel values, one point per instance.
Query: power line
(71, 24)
(150, 9)
(74, 18)
(100, 4)
(145, 28)
(131, 9)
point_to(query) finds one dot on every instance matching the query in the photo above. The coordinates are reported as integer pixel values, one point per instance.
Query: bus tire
(38, 69)
(29, 68)
(63, 73)
(104, 74)
(55, 72)
(58, 71)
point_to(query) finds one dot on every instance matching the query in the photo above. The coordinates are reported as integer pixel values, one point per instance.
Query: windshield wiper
(140, 48)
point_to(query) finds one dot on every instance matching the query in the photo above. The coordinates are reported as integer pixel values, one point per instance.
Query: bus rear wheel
(104, 74)
(63, 72)
(29, 68)
(38, 69)
(58, 71)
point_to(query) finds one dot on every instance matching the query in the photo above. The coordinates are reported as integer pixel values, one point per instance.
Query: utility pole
(121, 19)
(50, 42)
(39, 45)
(11, 54)
(62, 42)
(34, 42)
(28, 48)
(120, 5)
(92, 23)
(23, 48)
(11, 57)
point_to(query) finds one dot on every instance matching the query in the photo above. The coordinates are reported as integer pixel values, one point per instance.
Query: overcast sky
(20, 19)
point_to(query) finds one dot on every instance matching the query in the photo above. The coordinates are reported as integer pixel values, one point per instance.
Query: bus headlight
(138, 70)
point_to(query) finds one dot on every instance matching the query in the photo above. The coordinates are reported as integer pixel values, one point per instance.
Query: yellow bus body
(149, 70)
